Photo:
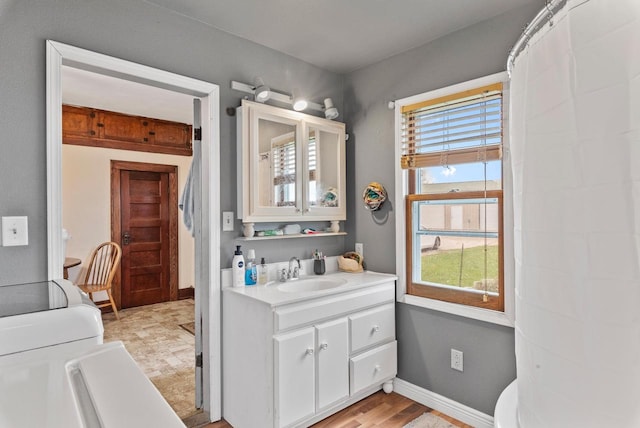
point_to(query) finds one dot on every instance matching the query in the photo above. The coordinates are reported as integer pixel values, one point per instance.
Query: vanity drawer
(374, 366)
(371, 327)
(306, 313)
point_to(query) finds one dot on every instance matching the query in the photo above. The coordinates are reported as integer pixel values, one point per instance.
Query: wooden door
(147, 232)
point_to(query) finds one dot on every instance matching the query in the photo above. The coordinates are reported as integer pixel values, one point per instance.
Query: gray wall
(425, 337)
(139, 32)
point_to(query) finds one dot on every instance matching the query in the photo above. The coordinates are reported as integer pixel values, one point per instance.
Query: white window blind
(284, 173)
(284, 163)
(312, 160)
(460, 128)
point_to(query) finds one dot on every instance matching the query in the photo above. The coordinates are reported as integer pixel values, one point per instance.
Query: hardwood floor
(378, 410)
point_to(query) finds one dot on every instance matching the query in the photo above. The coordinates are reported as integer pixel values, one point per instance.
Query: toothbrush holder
(318, 267)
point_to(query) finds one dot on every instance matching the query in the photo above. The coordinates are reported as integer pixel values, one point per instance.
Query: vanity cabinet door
(324, 170)
(294, 376)
(275, 165)
(333, 362)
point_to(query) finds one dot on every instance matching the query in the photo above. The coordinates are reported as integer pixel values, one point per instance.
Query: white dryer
(55, 371)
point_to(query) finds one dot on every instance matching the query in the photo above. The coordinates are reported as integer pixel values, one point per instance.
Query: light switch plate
(15, 231)
(227, 221)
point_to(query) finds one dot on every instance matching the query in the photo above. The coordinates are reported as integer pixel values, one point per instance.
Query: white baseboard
(443, 404)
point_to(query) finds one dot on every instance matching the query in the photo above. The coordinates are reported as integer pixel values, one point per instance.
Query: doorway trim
(116, 212)
(207, 245)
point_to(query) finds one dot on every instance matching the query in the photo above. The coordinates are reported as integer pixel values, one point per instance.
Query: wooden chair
(102, 268)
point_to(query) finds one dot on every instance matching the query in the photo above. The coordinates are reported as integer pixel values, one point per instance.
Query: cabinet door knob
(307, 210)
(324, 346)
(375, 329)
(309, 351)
(298, 210)
(376, 368)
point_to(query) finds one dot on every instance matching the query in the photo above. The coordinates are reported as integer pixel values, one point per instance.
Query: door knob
(309, 351)
(324, 346)
(126, 238)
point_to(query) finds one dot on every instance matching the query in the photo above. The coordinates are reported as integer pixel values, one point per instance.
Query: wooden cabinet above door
(86, 126)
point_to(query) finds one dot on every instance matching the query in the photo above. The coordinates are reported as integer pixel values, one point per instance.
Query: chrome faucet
(294, 273)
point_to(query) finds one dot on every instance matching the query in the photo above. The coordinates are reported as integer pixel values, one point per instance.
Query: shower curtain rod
(544, 16)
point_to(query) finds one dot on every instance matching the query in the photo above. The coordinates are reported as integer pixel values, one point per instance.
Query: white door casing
(207, 238)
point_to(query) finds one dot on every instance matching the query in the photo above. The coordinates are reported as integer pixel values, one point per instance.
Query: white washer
(55, 371)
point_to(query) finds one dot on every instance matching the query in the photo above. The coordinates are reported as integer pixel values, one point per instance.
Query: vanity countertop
(272, 295)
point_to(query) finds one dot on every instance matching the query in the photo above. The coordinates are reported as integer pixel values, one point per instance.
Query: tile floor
(164, 350)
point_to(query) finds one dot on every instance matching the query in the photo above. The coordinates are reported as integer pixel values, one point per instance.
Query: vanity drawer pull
(375, 329)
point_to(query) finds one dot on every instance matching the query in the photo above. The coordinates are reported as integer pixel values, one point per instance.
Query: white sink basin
(311, 284)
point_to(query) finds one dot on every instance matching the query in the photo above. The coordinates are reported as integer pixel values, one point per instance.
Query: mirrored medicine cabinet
(291, 167)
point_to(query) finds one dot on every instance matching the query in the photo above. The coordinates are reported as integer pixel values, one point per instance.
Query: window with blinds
(456, 129)
(450, 150)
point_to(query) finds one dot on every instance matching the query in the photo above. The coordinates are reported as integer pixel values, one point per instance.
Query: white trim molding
(443, 404)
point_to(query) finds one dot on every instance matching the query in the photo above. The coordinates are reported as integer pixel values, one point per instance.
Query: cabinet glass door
(324, 170)
(275, 169)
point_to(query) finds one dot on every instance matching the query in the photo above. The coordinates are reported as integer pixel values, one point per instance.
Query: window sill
(494, 317)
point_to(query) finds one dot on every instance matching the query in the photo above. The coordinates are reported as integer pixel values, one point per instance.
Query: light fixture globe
(330, 112)
(261, 92)
(298, 102)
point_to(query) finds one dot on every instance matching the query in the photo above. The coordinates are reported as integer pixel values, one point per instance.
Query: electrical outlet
(457, 359)
(227, 221)
(360, 248)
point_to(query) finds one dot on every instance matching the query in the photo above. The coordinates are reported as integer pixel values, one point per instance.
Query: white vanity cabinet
(299, 355)
(293, 364)
(291, 166)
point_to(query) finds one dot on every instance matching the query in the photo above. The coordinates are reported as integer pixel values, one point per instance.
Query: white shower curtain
(575, 141)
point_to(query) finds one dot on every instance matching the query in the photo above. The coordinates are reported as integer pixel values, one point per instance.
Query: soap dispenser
(238, 268)
(250, 275)
(263, 274)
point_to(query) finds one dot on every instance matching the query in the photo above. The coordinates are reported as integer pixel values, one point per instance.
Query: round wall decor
(374, 196)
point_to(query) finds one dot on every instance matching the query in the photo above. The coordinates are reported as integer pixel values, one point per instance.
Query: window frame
(404, 185)
(449, 294)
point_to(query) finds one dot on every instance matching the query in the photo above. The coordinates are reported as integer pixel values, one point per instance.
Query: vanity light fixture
(330, 112)
(261, 91)
(299, 103)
